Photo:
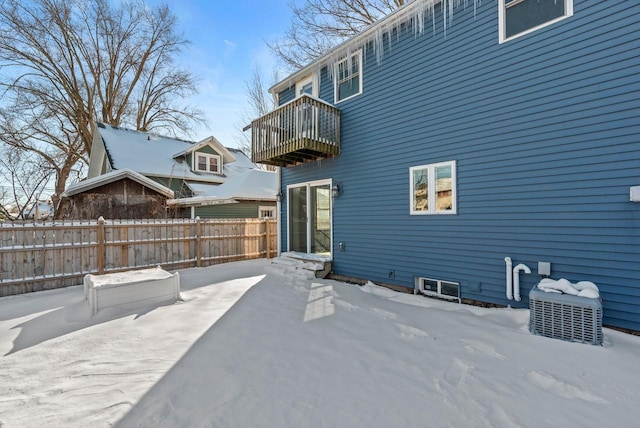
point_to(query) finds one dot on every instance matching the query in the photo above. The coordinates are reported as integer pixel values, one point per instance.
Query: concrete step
(320, 266)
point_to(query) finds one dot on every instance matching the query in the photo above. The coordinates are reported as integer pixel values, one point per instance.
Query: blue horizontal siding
(545, 130)
(287, 95)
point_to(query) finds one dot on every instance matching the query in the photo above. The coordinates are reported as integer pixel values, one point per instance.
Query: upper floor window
(305, 86)
(433, 188)
(348, 77)
(519, 17)
(205, 162)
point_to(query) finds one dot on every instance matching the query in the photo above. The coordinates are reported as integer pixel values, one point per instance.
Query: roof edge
(227, 156)
(116, 175)
(374, 32)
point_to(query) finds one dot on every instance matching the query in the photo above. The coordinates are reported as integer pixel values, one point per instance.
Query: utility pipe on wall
(509, 278)
(279, 211)
(516, 279)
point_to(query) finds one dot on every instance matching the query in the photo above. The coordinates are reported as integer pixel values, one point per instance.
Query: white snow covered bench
(131, 290)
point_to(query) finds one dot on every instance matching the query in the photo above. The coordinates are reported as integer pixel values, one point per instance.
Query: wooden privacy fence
(42, 256)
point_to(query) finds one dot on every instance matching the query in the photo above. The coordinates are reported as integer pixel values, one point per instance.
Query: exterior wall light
(335, 190)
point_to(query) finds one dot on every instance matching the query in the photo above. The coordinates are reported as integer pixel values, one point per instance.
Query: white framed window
(433, 188)
(207, 162)
(438, 288)
(307, 86)
(266, 212)
(348, 77)
(519, 17)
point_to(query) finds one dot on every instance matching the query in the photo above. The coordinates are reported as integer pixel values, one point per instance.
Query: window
(519, 17)
(305, 86)
(266, 212)
(433, 188)
(438, 288)
(348, 77)
(205, 162)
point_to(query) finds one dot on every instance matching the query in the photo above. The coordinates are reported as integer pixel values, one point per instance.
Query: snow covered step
(290, 263)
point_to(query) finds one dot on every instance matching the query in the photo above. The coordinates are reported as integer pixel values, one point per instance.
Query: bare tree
(259, 103)
(319, 25)
(27, 176)
(69, 63)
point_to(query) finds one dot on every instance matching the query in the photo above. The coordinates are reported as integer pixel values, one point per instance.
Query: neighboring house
(39, 210)
(206, 178)
(119, 194)
(515, 134)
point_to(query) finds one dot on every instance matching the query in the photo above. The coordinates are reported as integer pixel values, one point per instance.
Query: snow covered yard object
(318, 265)
(131, 290)
(562, 310)
(251, 348)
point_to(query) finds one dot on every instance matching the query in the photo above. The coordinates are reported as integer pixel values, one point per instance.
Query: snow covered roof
(158, 156)
(112, 176)
(413, 13)
(252, 184)
(148, 154)
(212, 141)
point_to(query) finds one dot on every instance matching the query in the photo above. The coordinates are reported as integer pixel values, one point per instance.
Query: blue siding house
(450, 137)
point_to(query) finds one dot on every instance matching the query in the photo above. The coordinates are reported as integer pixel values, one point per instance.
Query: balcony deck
(304, 130)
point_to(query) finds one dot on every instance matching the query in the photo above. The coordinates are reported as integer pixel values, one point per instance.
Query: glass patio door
(310, 218)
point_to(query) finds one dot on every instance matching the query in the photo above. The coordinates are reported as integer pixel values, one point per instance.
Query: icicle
(444, 18)
(413, 14)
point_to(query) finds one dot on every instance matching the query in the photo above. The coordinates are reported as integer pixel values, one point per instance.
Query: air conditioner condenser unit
(566, 317)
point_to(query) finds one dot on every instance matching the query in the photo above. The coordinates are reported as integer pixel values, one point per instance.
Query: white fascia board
(200, 201)
(208, 200)
(212, 141)
(189, 178)
(110, 177)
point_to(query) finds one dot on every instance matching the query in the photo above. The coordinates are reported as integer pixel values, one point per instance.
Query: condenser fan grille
(566, 317)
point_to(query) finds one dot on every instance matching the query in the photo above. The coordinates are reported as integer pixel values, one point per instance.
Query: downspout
(509, 278)
(516, 279)
(279, 211)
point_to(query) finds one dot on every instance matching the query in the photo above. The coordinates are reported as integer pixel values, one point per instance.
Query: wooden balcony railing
(303, 130)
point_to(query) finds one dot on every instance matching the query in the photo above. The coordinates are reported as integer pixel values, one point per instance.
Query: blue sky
(227, 42)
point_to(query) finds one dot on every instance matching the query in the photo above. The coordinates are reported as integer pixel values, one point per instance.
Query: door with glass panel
(309, 216)
(305, 112)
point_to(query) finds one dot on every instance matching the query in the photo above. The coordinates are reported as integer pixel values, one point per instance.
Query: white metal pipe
(516, 279)
(279, 211)
(509, 278)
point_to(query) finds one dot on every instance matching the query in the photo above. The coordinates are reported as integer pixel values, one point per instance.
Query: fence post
(101, 245)
(267, 225)
(198, 242)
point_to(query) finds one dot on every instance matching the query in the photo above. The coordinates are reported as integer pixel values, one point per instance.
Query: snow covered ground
(253, 344)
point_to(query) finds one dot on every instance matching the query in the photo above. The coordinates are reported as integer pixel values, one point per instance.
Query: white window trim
(194, 162)
(262, 208)
(308, 185)
(419, 287)
(502, 24)
(336, 82)
(432, 189)
(306, 80)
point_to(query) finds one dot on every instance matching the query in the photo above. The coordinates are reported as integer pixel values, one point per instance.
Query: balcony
(304, 130)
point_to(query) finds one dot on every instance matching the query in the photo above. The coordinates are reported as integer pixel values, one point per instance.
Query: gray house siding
(247, 209)
(545, 132)
(178, 185)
